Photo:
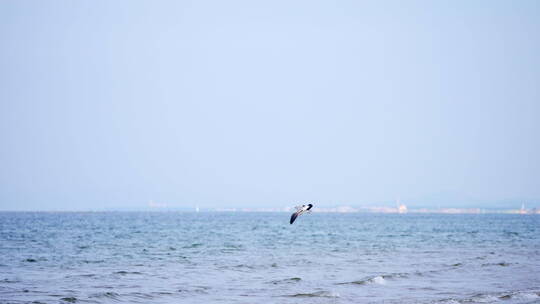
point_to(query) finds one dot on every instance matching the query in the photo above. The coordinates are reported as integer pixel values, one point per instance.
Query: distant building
(402, 208)
(522, 210)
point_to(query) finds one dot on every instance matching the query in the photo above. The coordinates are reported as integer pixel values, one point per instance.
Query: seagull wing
(294, 216)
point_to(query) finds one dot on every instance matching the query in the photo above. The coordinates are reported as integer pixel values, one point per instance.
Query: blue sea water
(152, 257)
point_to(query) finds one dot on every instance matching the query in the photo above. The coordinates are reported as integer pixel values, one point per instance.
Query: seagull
(300, 210)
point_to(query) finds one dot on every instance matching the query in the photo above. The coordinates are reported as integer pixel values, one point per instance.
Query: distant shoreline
(450, 211)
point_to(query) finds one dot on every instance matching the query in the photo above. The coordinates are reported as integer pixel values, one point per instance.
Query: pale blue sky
(111, 104)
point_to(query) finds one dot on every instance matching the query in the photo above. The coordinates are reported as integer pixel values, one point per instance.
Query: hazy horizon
(113, 104)
(503, 205)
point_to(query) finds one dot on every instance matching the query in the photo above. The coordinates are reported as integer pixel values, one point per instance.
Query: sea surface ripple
(175, 257)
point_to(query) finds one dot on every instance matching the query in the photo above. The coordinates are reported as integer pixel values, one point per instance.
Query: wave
(317, 294)
(93, 261)
(523, 295)
(244, 266)
(32, 260)
(195, 289)
(69, 299)
(514, 297)
(379, 279)
(286, 281)
(122, 272)
(84, 275)
(502, 264)
(240, 267)
(382, 279)
(140, 295)
(194, 245)
(107, 295)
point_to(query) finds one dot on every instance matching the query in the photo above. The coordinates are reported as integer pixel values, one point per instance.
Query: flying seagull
(300, 210)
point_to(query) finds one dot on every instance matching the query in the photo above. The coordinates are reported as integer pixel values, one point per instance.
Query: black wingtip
(293, 217)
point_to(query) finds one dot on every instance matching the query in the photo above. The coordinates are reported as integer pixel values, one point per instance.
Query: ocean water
(151, 257)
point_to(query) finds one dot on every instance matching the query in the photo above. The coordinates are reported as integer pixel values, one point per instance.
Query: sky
(110, 105)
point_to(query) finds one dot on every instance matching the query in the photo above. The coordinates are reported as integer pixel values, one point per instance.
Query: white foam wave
(526, 296)
(486, 299)
(449, 301)
(378, 280)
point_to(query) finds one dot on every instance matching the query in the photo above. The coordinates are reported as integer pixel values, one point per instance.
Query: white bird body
(300, 210)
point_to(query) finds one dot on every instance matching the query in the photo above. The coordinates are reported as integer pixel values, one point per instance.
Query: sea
(237, 257)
